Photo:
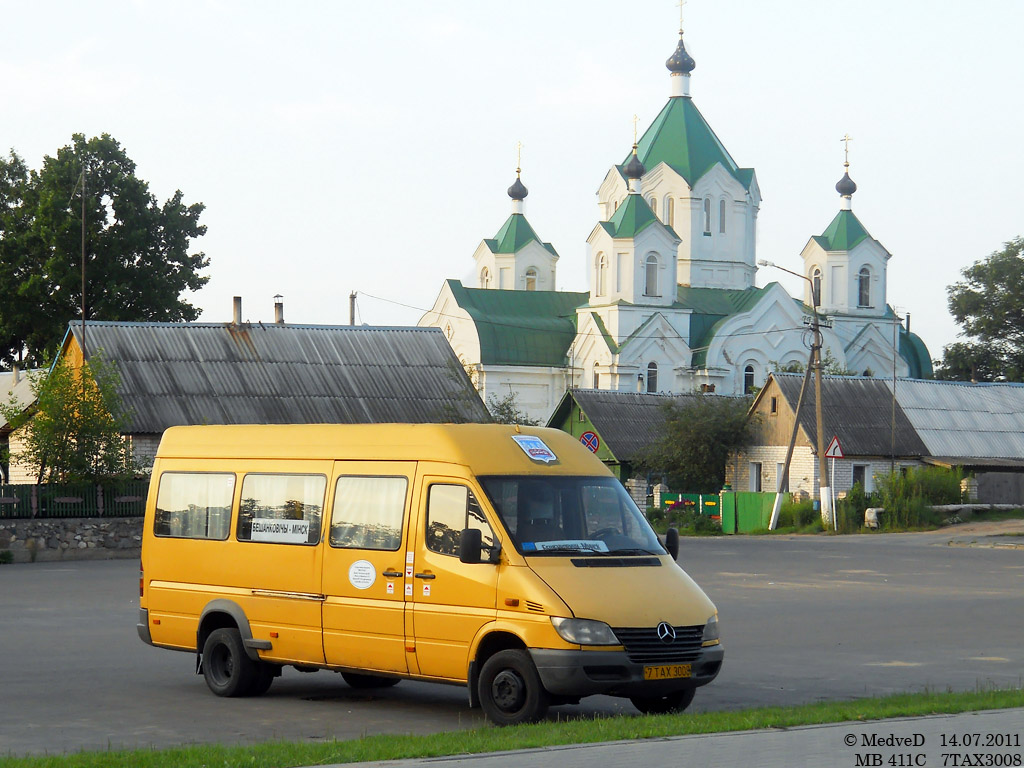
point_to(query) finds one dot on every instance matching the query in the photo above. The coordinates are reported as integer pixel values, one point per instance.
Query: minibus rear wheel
(510, 689)
(226, 666)
(676, 701)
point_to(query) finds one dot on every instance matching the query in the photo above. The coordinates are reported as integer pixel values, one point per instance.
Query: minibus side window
(368, 512)
(194, 505)
(281, 509)
(450, 508)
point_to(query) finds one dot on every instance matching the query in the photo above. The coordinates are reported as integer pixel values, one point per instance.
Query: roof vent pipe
(278, 309)
(908, 322)
(237, 319)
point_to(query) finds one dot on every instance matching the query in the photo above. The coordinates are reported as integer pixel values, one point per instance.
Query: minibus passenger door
(452, 600)
(364, 574)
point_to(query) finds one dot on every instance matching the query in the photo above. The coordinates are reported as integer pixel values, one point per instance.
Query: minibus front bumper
(578, 673)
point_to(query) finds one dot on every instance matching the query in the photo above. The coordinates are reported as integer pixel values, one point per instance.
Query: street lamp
(814, 361)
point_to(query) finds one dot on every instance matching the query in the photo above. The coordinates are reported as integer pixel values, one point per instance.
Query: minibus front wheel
(510, 689)
(226, 666)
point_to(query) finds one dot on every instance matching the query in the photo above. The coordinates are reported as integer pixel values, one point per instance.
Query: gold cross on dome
(847, 138)
(681, 3)
(519, 156)
(635, 121)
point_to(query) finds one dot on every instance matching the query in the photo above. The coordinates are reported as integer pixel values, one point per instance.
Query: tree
(73, 432)
(699, 435)
(989, 305)
(136, 250)
(505, 410)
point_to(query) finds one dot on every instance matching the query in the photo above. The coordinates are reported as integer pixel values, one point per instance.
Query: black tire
(676, 701)
(265, 675)
(368, 681)
(226, 666)
(510, 689)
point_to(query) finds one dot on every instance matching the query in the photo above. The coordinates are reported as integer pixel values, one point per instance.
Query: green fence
(124, 499)
(746, 511)
(704, 503)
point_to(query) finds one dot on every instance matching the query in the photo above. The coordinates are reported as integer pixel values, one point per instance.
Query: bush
(797, 514)
(6, 557)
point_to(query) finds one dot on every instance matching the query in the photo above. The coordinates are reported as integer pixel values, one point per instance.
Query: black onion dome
(518, 190)
(846, 186)
(680, 62)
(634, 168)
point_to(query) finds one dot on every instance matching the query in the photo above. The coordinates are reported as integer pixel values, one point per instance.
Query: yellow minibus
(506, 559)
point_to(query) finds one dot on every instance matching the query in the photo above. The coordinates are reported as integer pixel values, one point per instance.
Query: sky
(343, 146)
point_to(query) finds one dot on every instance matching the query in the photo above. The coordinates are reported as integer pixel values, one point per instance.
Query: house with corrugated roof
(254, 373)
(673, 305)
(882, 425)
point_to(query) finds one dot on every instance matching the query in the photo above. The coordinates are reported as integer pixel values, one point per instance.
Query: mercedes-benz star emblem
(666, 632)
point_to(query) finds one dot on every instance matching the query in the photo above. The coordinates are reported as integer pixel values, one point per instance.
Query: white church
(672, 306)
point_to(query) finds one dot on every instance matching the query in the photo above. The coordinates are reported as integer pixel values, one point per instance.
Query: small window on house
(774, 406)
(652, 377)
(707, 217)
(670, 211)
(602, 275)
(721, 217)
(755, 476)
(864, 287)
(816, 287)
(748, 380)
(485, 278)
(651, 276)
(531, 279)
(860, 475)
(582, 416)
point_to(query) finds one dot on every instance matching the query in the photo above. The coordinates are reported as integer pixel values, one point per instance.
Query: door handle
(393, 574)
(426, 575)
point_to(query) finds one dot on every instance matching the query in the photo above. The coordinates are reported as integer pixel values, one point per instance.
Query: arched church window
(721, 216)
(652, 377)
(707, 216)
(864, 287)
(485, 278)
(816, 287)
(653, 202)
(531, 279)
(597, 378)
(670, 211)
(602, 274)
(748, 380)
(651, 276)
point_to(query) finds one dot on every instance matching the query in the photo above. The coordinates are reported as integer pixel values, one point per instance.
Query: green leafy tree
(989, 304)
(829, 366)
(73, 432)
(137, 256)
(699, 435)
(506, 410)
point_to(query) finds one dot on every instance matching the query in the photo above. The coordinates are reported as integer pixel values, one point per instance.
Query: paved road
(803, 619)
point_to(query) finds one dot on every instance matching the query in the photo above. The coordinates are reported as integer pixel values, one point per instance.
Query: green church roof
(710, 307)
(630, 218)
(843, 233)
(682, 138)
(514, 235)
(521, 327)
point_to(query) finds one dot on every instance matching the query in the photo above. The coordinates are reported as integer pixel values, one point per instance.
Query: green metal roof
(514, 235)
(630, 218)
(521, 327)
(914, 351)
(843, 233)
(710, 307)
(681, 137)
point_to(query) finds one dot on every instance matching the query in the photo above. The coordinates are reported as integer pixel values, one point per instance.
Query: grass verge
(490, 739)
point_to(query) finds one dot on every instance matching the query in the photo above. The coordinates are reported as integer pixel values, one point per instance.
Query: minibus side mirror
(672, 542)
(470, 542)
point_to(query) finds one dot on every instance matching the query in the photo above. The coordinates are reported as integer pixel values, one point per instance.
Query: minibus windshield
(555, 515)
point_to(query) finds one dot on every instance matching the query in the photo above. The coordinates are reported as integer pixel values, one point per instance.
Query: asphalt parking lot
(803, 619)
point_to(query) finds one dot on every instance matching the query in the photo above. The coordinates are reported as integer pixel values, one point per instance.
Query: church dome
(680, 62)
(846, 186)
(634, 168)
(518, 190)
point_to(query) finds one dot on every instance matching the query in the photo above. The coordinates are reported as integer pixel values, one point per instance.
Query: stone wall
(91, 538)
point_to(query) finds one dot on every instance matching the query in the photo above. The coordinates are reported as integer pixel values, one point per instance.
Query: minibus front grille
(643, 646)
(616, 562)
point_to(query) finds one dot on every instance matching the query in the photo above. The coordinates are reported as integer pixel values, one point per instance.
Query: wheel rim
(221, 665)
(508, 691)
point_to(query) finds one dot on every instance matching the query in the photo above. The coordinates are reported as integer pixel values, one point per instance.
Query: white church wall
(538, 390)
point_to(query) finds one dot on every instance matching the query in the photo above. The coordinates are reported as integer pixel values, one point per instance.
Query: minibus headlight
(584, 631)
(711, 629)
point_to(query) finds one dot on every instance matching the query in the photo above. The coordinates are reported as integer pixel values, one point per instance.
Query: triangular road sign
(834, 451)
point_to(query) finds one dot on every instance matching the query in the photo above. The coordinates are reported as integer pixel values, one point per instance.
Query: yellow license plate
(667, 672)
